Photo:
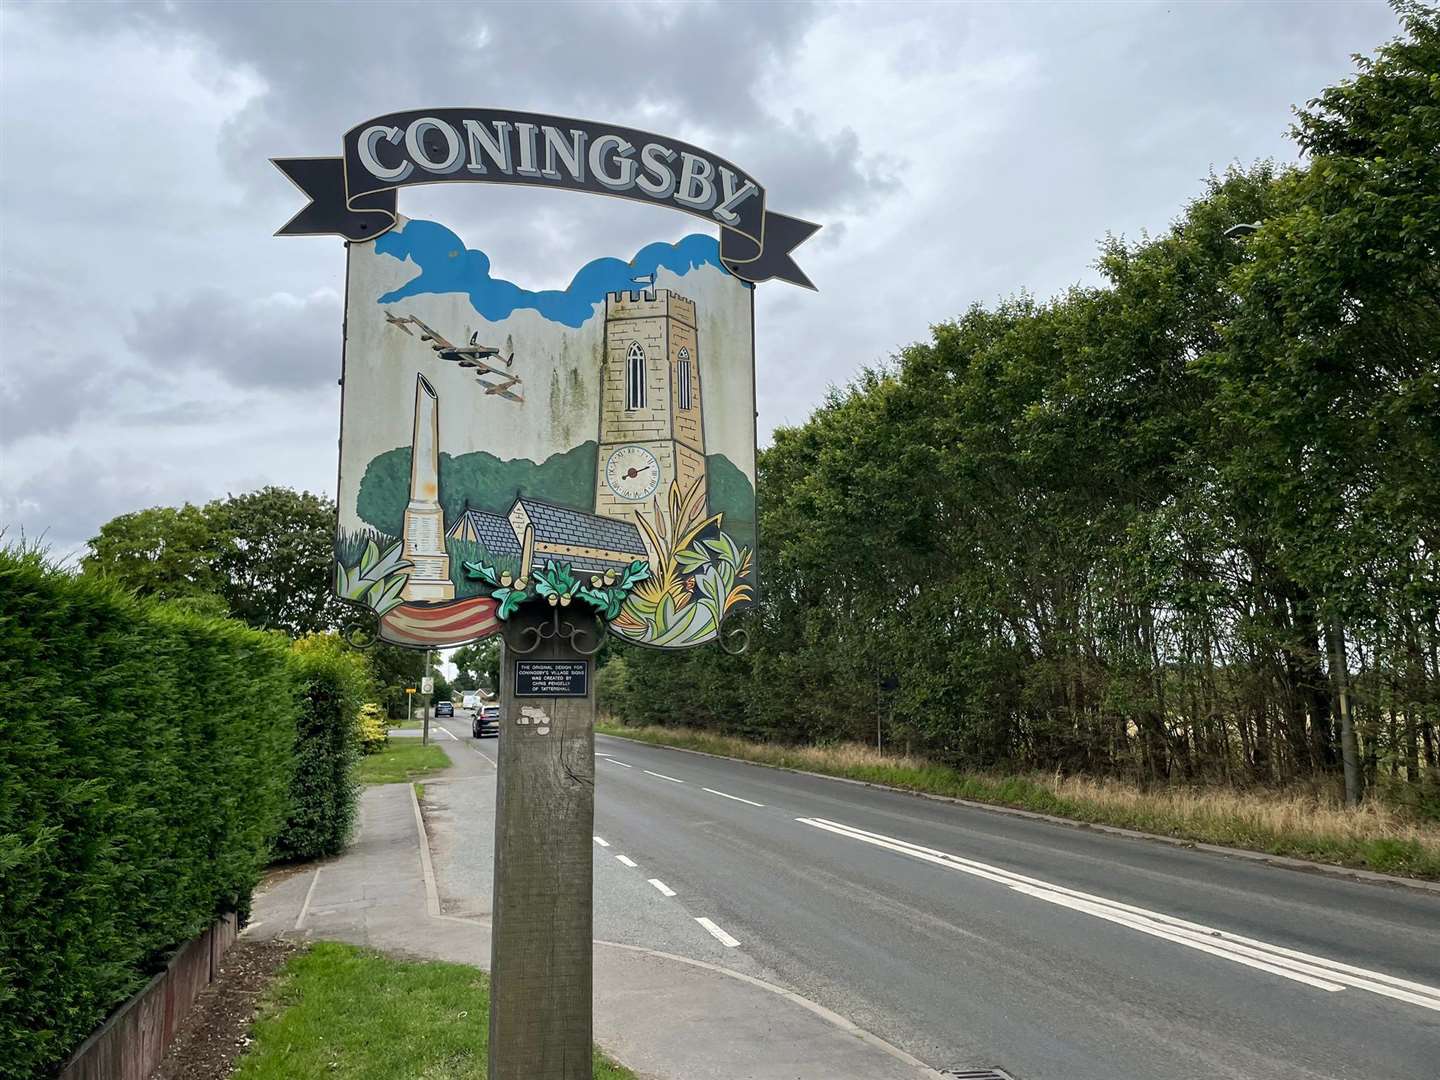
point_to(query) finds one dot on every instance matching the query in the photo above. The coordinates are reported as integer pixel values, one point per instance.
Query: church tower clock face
(632, 473)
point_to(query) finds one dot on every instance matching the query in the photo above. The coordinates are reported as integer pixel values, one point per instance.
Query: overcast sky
(158, 344)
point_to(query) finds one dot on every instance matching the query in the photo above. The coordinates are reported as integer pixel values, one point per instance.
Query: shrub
(323, 792)
(374, 728)
(131, 815)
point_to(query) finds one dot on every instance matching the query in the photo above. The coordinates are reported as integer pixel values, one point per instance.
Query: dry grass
(1300, 824)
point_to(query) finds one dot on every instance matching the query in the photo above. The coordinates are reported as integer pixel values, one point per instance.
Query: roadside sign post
(540, 1025)
(409, 704)
(427, 687)
(556, 467)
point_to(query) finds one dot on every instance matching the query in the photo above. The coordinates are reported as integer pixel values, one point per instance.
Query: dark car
(486, 722)
(444, 708)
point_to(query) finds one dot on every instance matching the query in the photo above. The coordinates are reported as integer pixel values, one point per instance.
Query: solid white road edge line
(625, 860)
(620, 763)
(720, 935)
(601, 841)
(1330, 975)
(1293, 958)
(662, 776)
(737, 798)
(665, 890)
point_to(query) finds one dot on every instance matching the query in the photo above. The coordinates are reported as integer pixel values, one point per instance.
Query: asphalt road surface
(974, 939)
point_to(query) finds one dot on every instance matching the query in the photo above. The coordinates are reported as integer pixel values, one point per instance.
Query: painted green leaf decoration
(691, 560)
(723, 546)
(638, 571)
(482, 571)
(369, 557)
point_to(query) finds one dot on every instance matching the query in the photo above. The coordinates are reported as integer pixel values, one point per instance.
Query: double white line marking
(1316, 971)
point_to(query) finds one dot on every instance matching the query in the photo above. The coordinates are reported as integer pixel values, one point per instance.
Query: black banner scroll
(354, 195)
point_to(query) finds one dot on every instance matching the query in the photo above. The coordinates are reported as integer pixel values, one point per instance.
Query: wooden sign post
(540, 952)
(620, 501)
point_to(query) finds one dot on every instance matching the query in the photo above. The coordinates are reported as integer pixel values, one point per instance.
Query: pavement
(418, 884)
(748, 910)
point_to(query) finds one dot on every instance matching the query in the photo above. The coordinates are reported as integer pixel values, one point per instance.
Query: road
(971, 938)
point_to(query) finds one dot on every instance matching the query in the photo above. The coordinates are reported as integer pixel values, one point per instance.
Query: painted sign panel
(591, 446)
(552, 678)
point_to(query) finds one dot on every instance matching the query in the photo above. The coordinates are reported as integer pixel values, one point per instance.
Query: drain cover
(978, 1074)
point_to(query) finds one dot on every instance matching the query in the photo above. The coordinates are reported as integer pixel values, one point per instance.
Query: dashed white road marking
(748, 802)
(620, 763)
(662, 776)
(720, 935)
(665, 890)
(1316, 971)
(625, 860)
(602, 841)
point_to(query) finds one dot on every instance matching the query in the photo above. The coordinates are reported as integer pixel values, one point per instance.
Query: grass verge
(342, 1011)
(401, 760)
(1303, 826)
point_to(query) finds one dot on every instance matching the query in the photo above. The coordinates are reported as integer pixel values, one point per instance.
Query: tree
(164, 552)
(274, 559)
(395, 669)
(477, 665)
(266, 554)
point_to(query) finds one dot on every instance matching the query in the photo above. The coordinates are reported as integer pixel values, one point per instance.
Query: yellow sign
(409, 689)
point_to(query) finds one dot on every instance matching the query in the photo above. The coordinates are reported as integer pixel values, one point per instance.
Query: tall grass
(1307, 825)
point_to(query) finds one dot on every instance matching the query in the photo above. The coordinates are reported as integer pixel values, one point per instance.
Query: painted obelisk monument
(424, 531)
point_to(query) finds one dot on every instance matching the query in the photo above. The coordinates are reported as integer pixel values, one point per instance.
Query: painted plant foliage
(590, 446)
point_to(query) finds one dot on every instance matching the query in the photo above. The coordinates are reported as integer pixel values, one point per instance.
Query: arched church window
(635, 376)
(682, 376)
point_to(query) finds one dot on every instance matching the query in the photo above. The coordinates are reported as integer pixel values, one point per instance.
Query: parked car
(444, 708)
(486, 722)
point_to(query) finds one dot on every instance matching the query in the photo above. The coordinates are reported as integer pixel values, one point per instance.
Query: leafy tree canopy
(265, 555)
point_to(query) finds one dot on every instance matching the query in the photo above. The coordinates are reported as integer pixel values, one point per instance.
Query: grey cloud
(49, 371)
(78, 491)
(280, 341)
(666, 68)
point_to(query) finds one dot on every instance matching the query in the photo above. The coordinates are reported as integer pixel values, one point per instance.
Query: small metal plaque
(552, 678)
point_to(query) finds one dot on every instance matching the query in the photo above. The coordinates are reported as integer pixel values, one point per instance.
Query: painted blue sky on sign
(447, 266)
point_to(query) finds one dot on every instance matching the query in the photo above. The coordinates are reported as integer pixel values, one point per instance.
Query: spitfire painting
(589, 447)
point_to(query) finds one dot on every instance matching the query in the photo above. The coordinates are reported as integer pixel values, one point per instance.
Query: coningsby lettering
(494, 145)
(541, 152)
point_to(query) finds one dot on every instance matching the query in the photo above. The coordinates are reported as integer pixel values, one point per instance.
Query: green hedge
(323, 792)
(145, 760)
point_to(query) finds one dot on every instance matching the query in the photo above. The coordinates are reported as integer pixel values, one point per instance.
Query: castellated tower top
(649, 304)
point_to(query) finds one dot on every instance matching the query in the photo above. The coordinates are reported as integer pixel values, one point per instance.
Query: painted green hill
(483, 481)
(731, 494)
(480, 480)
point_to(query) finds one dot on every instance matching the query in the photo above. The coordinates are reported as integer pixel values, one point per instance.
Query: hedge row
(145, 766)
(335, 684)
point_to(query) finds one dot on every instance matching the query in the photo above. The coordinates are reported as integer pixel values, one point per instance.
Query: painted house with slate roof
(492, 531)
(587, 542)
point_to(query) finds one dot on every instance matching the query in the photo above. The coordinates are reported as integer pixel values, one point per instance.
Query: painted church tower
(651, 430)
